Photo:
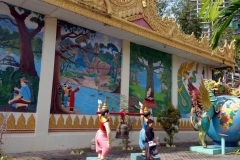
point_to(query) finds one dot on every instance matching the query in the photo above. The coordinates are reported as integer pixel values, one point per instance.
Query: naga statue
(209, 114)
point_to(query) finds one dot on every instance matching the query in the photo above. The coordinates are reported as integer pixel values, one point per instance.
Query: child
(150, 138)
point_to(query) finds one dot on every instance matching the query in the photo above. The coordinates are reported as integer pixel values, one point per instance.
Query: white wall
(42, 140)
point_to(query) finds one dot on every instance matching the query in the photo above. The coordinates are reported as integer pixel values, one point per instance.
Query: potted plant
(170, 121)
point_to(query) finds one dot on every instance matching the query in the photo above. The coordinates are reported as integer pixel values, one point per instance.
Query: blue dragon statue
(202, 104)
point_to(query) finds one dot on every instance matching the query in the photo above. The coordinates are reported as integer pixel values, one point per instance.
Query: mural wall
(21, 33)
(188, 79)
(87, 68)
(150, 78)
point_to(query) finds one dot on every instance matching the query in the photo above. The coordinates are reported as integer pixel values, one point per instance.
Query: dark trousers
(148, 151)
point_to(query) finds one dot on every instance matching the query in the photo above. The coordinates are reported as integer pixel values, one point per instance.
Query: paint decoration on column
(21, 33)
(150, 78)
(188, 80)
(87, 68)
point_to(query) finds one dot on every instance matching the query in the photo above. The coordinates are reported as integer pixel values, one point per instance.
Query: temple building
(67, 54)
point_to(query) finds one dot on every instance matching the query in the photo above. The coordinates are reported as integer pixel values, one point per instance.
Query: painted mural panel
(188, 76)
(150, 78)
(21, 33)
(87, 68)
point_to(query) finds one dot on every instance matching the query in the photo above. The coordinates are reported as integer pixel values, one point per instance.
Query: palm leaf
(206, 4)
(221, 24)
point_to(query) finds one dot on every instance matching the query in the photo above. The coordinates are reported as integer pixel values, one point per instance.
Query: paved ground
(181, 152)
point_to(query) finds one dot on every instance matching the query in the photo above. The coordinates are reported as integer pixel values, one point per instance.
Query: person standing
(103, 135)
(150, 138)
(144, 118)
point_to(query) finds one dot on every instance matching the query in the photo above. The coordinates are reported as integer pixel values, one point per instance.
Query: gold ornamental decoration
(120, 13)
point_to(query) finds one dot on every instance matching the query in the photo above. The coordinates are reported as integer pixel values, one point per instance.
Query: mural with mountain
(20, 57)
(87, 68)
(150, 79)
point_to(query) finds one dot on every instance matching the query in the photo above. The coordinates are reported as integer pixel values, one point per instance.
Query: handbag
(151, 143)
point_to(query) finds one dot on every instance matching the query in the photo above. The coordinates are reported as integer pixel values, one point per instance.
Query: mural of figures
(189, 76)
(150, 78)
(21, 33)
(87, 68)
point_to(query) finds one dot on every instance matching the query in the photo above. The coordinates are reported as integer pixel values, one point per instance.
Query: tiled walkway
(181, 152)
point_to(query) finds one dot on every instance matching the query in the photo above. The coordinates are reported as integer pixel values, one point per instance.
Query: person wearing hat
(144, 118)
(103, 135)
(22, 96)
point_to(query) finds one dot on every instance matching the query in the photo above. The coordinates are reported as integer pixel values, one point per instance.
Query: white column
(125, 70)
(209, 72)
(46, 78)
(174, 80)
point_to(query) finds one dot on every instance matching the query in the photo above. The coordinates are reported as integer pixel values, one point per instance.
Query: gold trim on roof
(118, 13)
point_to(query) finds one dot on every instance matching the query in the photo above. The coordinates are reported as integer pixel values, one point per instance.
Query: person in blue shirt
(22, 96)
(144, 118)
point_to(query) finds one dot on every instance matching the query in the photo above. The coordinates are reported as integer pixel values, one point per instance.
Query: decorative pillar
(175, 66)
(46, 79)
(125, 71)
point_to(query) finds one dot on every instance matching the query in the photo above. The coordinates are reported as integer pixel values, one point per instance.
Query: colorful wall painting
(21, 33)
(150, 78)
(87, 68)
(188, 76)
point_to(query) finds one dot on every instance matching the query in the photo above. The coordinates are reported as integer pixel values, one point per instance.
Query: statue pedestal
(212, 149)
(94, 158)
(138, 156)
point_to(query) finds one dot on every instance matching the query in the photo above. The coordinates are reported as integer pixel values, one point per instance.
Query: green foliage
(5, 158)
(6, 88)
(170, 121)
(139, 51)
(186, 16)
(220, 19)
(37, 44)
(163, 7)
(11, 40)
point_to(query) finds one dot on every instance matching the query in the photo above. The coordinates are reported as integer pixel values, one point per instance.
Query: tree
(146, 57)
(164, 7)
(170, 121)
(61, 50)
(186, 16)
(25, 35)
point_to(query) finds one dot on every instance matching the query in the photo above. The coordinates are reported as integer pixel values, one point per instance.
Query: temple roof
(138, 22)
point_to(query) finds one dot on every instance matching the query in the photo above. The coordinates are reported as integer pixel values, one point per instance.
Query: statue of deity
(144, 3)
(144, 118)
(103, 135)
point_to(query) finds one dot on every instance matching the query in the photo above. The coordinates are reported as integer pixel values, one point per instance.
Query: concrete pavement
(181, 152)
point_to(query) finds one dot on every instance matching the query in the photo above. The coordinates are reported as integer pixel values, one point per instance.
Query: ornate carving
(76, 122)
(116, 122)
(52, 122)
(97, 122)
(11, 122)
(91, 122)
(165, 31)
(21, 122)
(31, 122)
(60, 122)
(1, 119)
(69, 122)
(144, 3)
(91, 126)
(84, 122)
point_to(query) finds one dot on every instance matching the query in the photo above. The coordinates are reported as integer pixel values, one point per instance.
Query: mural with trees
(87, 68)
(20, 57)
(150, 78)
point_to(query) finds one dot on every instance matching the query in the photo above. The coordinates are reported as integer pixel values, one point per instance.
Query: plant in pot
(169, 121)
